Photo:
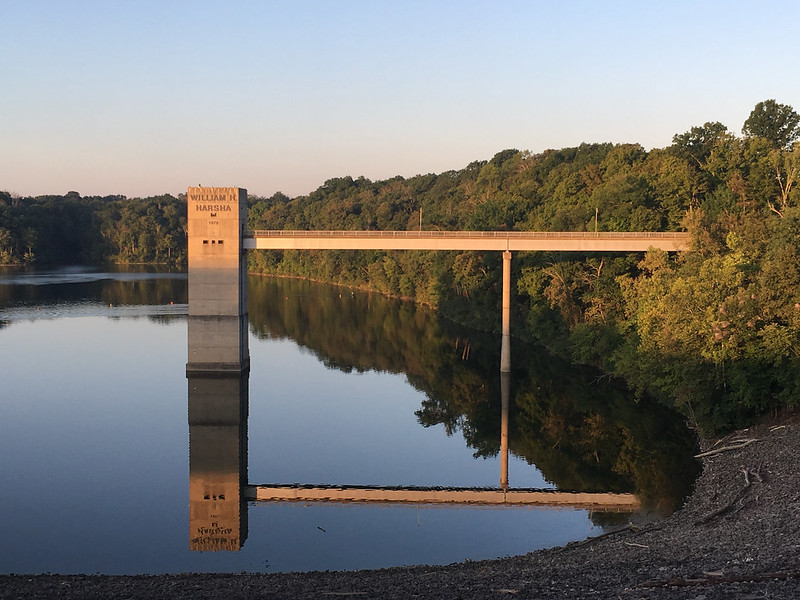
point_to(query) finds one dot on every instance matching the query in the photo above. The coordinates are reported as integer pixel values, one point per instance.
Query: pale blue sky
(150, 97)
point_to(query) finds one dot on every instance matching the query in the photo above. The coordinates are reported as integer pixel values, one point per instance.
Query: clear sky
(149, 97)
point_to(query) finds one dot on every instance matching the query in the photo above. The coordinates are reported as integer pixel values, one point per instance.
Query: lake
(345, 388)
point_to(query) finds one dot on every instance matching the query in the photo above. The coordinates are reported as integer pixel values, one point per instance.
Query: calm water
(345, 388)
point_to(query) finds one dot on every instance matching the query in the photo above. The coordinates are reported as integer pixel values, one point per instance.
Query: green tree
(697, 143)
(778, 123)
(786, 165)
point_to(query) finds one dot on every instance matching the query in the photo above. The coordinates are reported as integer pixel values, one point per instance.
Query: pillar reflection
(218, 374)
(505, 390)
(505, 341)
(218, 405)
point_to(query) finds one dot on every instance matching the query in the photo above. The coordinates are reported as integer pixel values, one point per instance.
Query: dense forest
(71, 229)
(713, 330)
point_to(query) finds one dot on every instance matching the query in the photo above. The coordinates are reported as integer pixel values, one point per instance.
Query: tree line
(713, 330)
(72, 229)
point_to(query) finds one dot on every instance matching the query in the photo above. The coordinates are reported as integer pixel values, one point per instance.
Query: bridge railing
(277, 233)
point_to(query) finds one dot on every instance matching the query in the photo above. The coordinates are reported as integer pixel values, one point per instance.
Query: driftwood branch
(606, 534)
(729, 506)
(736, 446)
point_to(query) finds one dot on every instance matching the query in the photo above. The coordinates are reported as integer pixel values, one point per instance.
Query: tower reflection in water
(217, 461)
(218, 376)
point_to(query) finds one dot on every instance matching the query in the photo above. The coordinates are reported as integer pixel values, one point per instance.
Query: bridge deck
(556, 241)
(433, 495)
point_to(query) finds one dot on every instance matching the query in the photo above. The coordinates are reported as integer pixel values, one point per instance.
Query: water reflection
(582, 430)
(505, 397)
(217, 460)
(584, 434)
(218, 475)
(126, 286)
(110, 436)
(127, 292)
(502, 496)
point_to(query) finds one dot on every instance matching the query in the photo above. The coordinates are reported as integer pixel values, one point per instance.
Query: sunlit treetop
(778, 123)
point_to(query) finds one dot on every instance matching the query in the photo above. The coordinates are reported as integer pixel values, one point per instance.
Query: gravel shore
(738, 536)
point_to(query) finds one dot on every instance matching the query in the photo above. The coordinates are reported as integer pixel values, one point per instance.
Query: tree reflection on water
(582, 430)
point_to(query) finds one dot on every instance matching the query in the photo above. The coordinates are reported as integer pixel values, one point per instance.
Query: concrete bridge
(552, 241)
(217, 221)
(504, 241)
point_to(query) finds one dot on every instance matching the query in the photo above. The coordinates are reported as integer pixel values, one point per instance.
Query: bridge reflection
(434, 496)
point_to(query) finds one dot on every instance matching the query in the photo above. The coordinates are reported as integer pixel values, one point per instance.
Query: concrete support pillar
(505, 348)
(216, 223)
(505, 390)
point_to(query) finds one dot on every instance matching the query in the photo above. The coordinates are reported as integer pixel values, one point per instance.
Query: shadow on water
(583, 431)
